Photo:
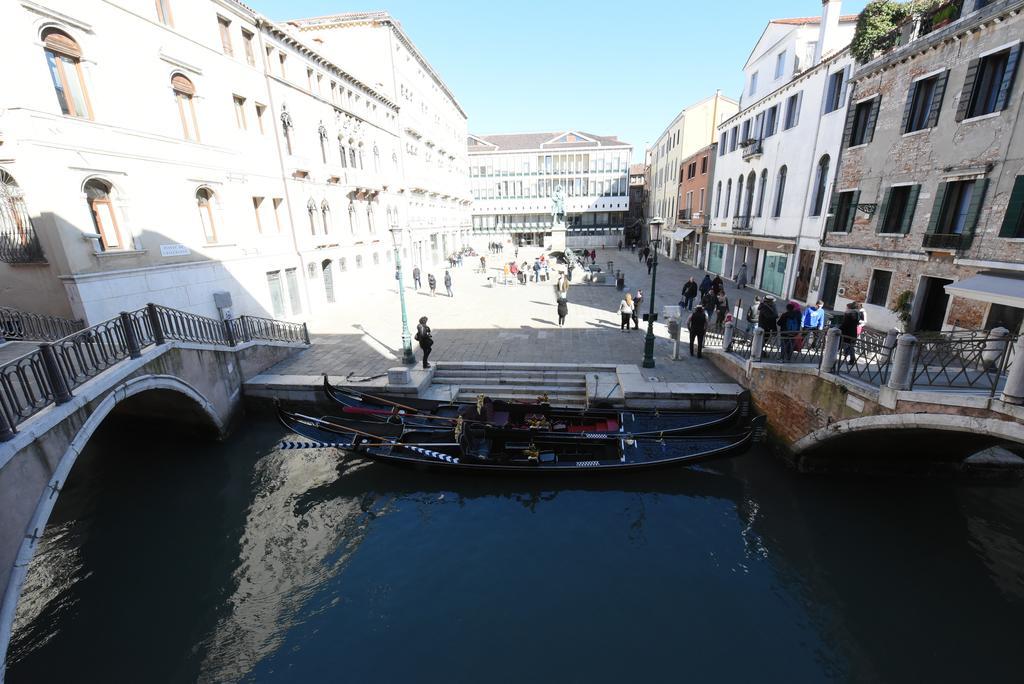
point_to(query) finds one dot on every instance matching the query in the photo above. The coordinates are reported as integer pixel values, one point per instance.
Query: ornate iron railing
(19, 243)
(951, 241)
(48, 375)
(23, 325)
(741, 224)
(794, 347)
(867, 359)
(962, 362)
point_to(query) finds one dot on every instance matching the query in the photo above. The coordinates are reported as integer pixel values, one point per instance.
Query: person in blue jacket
(814, 321)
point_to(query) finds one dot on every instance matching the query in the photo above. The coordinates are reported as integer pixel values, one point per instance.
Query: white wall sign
(174, 250)
(854, 402)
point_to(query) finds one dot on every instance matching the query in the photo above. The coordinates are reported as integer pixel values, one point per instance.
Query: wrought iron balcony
(946, 241)
(752, 148)
(18, 241)
(741, 224)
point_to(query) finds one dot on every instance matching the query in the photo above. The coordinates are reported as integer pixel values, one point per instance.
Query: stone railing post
(305, 332)
(890, 342)
(229, 331)
(727, 334)
(903, 363)
(154, 323)
(757, 344)
(1013, 390)
(61, 393)
(6, 430)
(996, 345)
(830, 353)
(131, 340)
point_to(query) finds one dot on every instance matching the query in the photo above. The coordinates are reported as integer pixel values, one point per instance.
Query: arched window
(718, 198)
(369, 218)
(728, 194)
(18, 242)
(353, 221)
(63, 56)
(780, 192)
(352, 156)
(204, 200)
(342, 264)
(376, 259)
(313, 212)
(761, 191)
(325, 213)
(739, 197)
(748, 207)
(359, 261)
(97, 194)
(342, 154)
(184, 92)
(325, 266)
(376, 159)
(820, 184)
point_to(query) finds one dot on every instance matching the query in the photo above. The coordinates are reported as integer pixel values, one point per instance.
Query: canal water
(172, 560)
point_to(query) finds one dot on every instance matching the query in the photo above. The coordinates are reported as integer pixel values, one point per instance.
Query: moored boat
(492, 449)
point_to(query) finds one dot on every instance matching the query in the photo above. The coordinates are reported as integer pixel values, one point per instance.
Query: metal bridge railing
(23, 325)
(965, 361)
(867, 359)
(49, 374)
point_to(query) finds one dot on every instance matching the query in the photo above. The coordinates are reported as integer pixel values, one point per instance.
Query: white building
(513, 178)
(694, 128)
(777, 157)
(431, 123)
(163, 151)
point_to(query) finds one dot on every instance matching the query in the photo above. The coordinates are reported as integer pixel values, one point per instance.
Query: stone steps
(564, 384)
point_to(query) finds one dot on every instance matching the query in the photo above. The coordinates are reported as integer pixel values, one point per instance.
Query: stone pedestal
(557, 241)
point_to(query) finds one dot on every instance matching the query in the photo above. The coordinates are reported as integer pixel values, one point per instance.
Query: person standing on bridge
(849, 328)
(425, 339)
(698, 327)
(416, 277)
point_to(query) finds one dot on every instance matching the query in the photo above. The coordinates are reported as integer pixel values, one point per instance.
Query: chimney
(829, 29)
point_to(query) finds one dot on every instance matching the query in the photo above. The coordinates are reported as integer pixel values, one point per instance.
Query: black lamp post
(654, 230)
(408, 358)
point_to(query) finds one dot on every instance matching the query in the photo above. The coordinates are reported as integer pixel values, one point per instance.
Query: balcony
(752, 149)
(940, 16)
(741, 224)
(952, 242)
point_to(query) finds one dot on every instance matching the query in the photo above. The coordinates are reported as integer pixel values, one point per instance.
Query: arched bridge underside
(196, 387)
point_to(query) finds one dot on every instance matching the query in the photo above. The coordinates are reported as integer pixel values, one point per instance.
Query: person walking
(562, 287)
(626, 311)
(448, 282)
(593, 257)
(640, 255)
(849, 327)
(638, 299)
(563, 311)
(536, 270)
(709, 301)
(768, 318)
(705, 285)
(650, 264)
(721, 309)
(620, 245)
(741, 277)
(483, 264)
(431, 283)
(697, 324)
(717, 285)
(689, 294)
(789, 328)
(425, 339)
(416, 277)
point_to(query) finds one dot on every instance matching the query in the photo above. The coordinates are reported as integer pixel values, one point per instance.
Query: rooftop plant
(878, 23)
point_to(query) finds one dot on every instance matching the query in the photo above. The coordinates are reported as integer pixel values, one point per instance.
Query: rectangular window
(836, 91)
(1013, 220)
(792, 111)
(957, 205)
(187, 113)
(309, 80)
(987, 84)
(257, 204)
(780, 64)
(282, 59)
(260, 111)
(878, 292)
(250, 56)
(163, 12)
(704, 164)
(700, 204)
(897, 210)
(753, 83)
(845, 205)
(745, 135)
(923, 103)
(291, 276)
(276, 293)
(733, 138)
(277, 213)
(862, 123)
(771, 120)
(224, 26)
(240, 112)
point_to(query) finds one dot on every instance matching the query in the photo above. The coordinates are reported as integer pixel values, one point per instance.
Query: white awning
(682, 234)
(986, 287)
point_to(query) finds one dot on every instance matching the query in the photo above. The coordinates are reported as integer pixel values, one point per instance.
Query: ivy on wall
(878, 23)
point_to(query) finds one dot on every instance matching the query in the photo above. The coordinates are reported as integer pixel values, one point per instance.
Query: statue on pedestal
(558, 205)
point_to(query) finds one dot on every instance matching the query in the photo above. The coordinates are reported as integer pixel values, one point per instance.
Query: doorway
(804, 268)
(830, 284)
(933, 302)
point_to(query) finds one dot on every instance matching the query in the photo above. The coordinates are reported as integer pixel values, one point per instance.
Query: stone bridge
(965, 415)
(157, 362)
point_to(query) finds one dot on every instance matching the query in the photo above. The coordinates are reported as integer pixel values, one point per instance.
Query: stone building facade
(695, 173)
(637, 203)
(933, 195)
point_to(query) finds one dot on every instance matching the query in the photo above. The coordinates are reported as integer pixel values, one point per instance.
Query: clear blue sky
(611, 68)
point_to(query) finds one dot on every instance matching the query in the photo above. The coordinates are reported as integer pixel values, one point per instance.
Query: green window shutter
(882, 208)
(851, 213)
(974, 210)
(908, 213)
(937, 95)
(1014, 217)
(1011, 70)
(831, 218)
(968, 89)
(907, 107)
(869, 134)
(940, 198)
(851, 113)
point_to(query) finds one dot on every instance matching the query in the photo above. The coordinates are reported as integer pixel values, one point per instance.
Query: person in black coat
(698, 326)
(848, 329)
(425, 339)
(689, 294)
(705, 286)
(563, 311)
(650, 264)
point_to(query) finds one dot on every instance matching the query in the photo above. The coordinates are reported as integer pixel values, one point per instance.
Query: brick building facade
(694, 187)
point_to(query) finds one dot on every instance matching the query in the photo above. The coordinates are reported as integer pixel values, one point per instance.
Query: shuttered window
(820, 186)
(1013, 220)
(896, 212)
(860, 122)
(224, 26)
(924, 102)
(988, 83)
(843, 210)
(63, 57)
(184, 91)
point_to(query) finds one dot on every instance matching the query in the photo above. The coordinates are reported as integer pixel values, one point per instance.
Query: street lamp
(408, 358)
(654, 231)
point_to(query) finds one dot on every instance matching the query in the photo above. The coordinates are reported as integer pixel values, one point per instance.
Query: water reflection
(238, 562)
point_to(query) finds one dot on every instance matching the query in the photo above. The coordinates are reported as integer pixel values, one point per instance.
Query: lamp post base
(408, 358)
(649, 349)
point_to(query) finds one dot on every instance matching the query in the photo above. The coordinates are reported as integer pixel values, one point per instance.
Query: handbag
(798, 342)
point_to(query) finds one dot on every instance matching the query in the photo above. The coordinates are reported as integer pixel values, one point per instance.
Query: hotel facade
(164, 151)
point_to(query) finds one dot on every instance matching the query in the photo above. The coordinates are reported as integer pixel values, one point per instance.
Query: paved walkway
(502, 323)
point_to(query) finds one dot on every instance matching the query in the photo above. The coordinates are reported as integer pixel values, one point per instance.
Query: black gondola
(430, 414)
(493, 450)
